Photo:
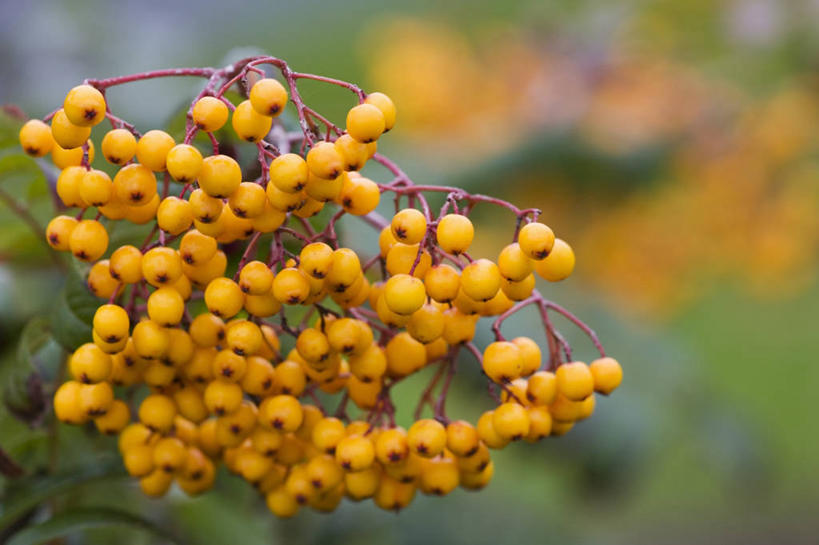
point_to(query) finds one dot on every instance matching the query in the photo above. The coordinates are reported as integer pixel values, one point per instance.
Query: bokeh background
(673, 144)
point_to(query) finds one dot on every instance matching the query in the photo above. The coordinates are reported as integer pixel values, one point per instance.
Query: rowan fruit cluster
(195, 363)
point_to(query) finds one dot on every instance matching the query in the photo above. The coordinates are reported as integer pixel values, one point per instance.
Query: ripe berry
(35, 138)
(255, 278)
(210, 114)
(344, 270)
(169, 454)
(462, 438)
(281, 412)
(513, 263)
(502, 361)
(575, 380)
(152, 149)
(248, 200)
(401, 259)
(115, 419)
(291, 286)
(455, 233)
(427, 437)
(229, 365)
(166, 306)
(439, 476)
(68, 186)
(458, 327)
(405, 355)
(355, 453)
(249, 124)
(119, 146)
(385, 104)
(150, 340)
(480, 280)
(161, 266)
(541, 388)
(370, 365)
(58, 232)
(540, 423)
(442, 283)
(536, 240)
(184, 163)
(530, 352)
(65, 133)
(64, 158)
(607, 375)
(361, 484)
(408, 226)
(426, 324)
(66, 403)
(157, 412)
(511, 421)
(268, 97)
(359, 196)
(223, 397)
(138, 460)
(365, 122)
(281, 503)
(100, 281)
(135, 185)
(518, 291)
(316, 259)
(219, 176)
(559, 264)
(84, 105)
(111, 323)
(88, 240)
(142, 214)
(392, 447)
(404, 294)
(325, 161)
(244, 338)
(224, 297)
(206, 209)
(174, 215)
(89, 364)
(289, 172)
(353, 152)
(96, 188)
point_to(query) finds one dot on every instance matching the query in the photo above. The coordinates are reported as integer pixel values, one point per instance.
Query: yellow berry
(427, 437)
(355, 453)
(157, 412)
(223, 397)
(353, 152)
(442, 283)
(325, 161)
(511, 421)
(502, 361)
(530, 354)
(161, 266)
(513, 263)
(481, 280)
(404, 294)
(462, 438)
(409, 226)
(88, 240)
(111, 323)
(249, 124)
(151, 341)
(359, 196)
(174, 215)
(219, 176)
(119, 146)
(35, 138)
(166, 306)
(184, 163)
(385, 104)
(405, 355)
(135, 184)
(575, 380)
(64, 158)
(536, 240)
(66, 134)
(224, 297)
(248, 200)
(281, 412)
(58, 232)
(268, 97)
(152, 149)
(210, 114)
(365, 122)
(607, 374)
(96, 188)
(84, 105)
(559, 264)
(454, 233)
(68, 186)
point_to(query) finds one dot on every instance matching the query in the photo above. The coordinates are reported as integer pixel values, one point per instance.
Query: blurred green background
(673, 144)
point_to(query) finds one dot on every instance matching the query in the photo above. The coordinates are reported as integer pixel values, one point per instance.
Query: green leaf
(23, 393)
(30, 492)
(76, 520)
(68, 328)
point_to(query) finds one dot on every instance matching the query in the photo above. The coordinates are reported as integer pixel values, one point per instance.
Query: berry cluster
(196, 352)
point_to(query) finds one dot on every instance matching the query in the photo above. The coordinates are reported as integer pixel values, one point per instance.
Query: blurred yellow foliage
(736, 203)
